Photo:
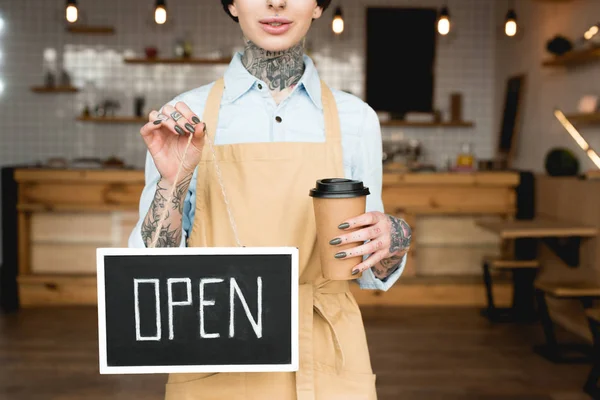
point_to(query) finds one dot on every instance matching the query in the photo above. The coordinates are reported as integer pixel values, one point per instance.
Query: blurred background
(490, 122)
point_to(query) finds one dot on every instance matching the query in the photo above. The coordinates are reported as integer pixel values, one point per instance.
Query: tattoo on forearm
(388, 266)
(401, 234)
(279, 69)
(400, 242)
(170, 233)
(180, 193)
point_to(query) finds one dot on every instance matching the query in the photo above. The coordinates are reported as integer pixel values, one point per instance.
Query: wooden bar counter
(64, 215)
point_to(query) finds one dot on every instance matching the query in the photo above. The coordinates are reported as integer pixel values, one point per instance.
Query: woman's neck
(280, 70)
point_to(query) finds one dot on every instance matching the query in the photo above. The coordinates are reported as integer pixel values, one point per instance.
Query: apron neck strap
(211, 109)
(330, 112)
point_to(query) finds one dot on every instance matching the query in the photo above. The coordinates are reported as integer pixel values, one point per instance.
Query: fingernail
(195, 120)
(190, 128)
(345, 225)
(341, 254)
(179, 130)
(355, 271)
(335, 241)
(157, 122)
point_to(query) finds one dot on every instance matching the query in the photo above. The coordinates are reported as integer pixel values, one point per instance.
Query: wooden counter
(64, 215)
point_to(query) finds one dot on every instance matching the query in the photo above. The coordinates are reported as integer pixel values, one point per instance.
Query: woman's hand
(166, 138)
(389, 240)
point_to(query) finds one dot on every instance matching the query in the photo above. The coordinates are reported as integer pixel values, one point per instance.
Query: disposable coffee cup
(336, 200)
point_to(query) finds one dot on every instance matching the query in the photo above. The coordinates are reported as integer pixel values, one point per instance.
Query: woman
(277, 129)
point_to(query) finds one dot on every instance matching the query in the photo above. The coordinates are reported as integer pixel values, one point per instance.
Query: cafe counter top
(65, 214)
(390, 177)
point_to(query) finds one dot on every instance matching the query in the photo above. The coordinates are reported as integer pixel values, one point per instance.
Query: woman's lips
(275, 26)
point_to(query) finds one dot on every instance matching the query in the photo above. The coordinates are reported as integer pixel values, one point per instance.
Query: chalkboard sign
(195, 309)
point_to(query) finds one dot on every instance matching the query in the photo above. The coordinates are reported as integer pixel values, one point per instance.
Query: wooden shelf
(206, 61)
(574, 57)
(114, 120)
(91, 30)
(591, 118)
(449, 124)
(56, 89)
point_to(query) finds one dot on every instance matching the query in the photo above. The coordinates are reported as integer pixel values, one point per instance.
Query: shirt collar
(238, 80)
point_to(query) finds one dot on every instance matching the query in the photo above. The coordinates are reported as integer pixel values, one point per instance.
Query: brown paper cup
(329, 214)
(331, 209)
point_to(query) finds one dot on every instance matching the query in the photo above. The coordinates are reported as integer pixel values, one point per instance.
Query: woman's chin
(276, 43)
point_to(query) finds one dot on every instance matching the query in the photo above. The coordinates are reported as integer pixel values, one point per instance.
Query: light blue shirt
(249, 114)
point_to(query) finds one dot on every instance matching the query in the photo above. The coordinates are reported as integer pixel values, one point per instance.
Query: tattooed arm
(400, 235)
(171, 231)
(384, 238)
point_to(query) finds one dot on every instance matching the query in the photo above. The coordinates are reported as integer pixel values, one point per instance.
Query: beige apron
(267, 186)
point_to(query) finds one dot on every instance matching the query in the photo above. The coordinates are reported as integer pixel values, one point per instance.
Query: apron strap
(330, 114)
(212, 107)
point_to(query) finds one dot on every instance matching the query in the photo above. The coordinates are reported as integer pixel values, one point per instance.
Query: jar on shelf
(466, 158)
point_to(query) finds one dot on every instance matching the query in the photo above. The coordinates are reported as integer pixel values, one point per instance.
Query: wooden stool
(591, 385)
(586, 293)
(523, 275)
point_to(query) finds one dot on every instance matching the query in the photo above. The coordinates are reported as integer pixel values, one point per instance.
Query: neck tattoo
(279, 69)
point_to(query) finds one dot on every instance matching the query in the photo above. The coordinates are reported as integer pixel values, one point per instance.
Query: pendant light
(160, 13)
(72, 12)
(338, 21)
(510, 25)
(443, 24)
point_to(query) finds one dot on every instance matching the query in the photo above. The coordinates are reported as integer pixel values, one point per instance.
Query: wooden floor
(417, 354)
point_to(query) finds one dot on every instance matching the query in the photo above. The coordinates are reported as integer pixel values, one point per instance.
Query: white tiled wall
(35, 127)
(548, 88)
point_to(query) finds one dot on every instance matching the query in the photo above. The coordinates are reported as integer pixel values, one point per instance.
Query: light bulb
(338, 21)
(160, 15)
(443, 25)
(510, 26)
(338, 25)
(72, 13)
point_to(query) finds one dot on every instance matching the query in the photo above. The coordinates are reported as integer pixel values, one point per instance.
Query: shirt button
(259, 86)
(278, 118)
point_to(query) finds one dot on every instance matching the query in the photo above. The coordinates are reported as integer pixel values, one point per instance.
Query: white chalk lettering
(187, 302)
(256, 325)
(204, 303)
(138, 335)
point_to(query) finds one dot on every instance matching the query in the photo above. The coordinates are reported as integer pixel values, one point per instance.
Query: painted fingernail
(195, 120)
(190, 128)
(345, 225)
(157, 122)
(179, 130)
(341, 254)
(335, 241)
(355, 271)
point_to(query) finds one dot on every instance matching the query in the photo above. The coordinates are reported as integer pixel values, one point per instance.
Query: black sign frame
(105, 368)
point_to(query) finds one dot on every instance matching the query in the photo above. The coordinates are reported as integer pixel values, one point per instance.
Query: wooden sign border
(106, 369)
